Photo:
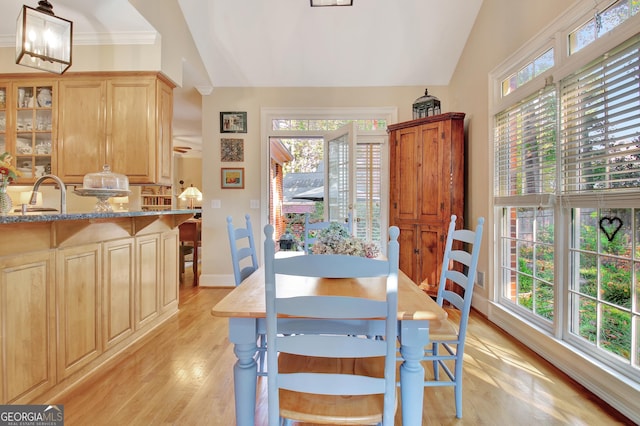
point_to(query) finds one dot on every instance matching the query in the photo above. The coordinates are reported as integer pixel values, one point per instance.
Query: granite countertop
(52, 217)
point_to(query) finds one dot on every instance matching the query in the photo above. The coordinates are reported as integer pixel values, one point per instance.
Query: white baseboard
(216, 280)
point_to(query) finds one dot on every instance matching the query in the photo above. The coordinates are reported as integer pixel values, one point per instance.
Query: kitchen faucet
(63, 191)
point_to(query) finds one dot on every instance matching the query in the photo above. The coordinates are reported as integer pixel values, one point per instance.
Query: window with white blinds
(525, 146)
(368, 190)
(601, 123)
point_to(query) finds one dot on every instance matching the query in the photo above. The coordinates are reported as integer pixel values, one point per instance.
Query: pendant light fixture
(322, 3)
(43, 40)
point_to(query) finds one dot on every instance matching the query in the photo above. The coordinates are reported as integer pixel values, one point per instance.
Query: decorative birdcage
(426, 106)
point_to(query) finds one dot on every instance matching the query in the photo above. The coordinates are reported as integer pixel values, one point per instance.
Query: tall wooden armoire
(426, 188)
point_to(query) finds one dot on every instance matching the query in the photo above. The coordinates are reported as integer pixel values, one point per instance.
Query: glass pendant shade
(43, 41)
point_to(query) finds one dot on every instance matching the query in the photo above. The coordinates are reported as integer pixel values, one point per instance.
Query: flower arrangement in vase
(8, 174)
(335, 239)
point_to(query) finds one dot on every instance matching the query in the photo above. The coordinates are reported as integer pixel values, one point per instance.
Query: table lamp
(191, 194)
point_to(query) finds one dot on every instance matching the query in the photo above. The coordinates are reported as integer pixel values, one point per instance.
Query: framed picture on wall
(231, 149)
(232, 178)
(233, 122)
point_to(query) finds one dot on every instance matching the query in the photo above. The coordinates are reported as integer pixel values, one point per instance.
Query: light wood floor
(182, 375)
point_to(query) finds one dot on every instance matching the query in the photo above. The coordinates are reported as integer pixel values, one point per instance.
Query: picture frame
(233, 122)
(232, 178)
(231, 149)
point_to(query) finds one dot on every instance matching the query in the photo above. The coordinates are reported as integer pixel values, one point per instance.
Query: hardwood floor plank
(181, 374)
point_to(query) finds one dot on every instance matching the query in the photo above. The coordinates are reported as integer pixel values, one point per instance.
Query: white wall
(216, 261)
(96, 58)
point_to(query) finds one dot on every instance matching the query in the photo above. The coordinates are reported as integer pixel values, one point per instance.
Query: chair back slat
(335, 307)
(243, 250)
(460, 265)
(377, 300)
(326, 346)
(331, 384)
(331, 266)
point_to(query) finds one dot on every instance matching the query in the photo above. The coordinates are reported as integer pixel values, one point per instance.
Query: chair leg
(458, 386)
(436, 367)
(262, 354)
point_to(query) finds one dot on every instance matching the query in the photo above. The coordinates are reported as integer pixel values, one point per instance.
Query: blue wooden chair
(243, 250)
(311, 230)
(459, 266)
(245, 263)
(339, 378)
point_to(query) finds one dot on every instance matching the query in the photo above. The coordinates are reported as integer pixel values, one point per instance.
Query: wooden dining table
(244, 306)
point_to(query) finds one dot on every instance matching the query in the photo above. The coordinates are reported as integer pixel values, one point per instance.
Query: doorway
(350, 180)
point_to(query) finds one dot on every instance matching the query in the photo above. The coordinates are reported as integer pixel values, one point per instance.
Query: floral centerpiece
(8, 174)
(8, 171)
(335, 239)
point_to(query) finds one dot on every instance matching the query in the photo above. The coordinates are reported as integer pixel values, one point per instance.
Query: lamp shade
(191, 194)
(43, 41)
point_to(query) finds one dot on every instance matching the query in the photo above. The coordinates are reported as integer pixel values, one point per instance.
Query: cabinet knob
(416, 250)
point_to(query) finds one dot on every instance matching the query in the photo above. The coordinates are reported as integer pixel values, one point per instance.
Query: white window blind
(368, 190)
(525, 146)
(601, 123)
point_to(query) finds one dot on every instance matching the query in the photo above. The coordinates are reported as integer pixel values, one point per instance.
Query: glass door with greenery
(353, 172)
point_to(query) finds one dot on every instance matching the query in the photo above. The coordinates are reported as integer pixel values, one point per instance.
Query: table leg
(243, 334)
(414, 336)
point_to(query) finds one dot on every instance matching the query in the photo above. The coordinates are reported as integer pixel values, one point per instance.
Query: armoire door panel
(431, 176)
(430, 259)
(407, 241)
(406, 170)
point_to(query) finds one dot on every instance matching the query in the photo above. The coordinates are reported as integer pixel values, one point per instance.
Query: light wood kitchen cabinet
(426, 188)
(118, 282)
(170, 271)
(76, 292)
(4, 91)
(164, 133)
(81, 138)
(121, 120)
(27, 315)
(79, 300)
(28, 125)
(148, 277)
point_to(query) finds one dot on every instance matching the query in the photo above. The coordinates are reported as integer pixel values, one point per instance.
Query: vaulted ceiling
(277, 43)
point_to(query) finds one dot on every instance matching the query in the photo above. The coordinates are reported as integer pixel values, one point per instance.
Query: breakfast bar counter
(78, 289)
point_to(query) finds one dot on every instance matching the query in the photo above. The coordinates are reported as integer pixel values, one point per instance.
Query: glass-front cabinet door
(34, 134)
(3, 118)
